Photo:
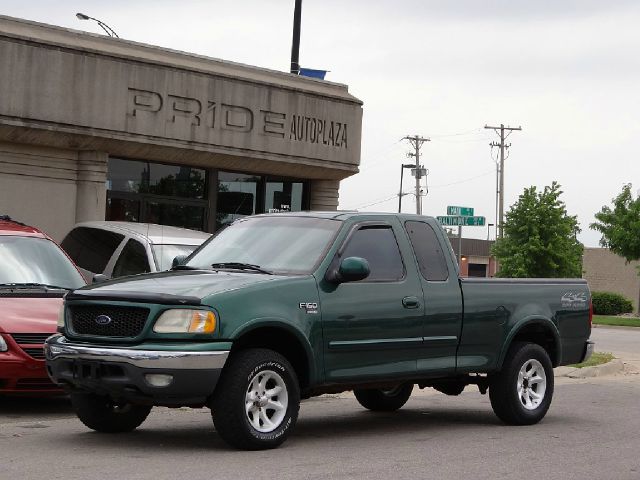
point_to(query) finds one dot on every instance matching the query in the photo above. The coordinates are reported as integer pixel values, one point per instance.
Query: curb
(610, 368)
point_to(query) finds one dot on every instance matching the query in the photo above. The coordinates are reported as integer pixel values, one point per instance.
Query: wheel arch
(283, 338)
(539, 330)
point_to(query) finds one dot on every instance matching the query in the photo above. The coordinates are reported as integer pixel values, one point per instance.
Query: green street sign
(460, 221)
(460, 211)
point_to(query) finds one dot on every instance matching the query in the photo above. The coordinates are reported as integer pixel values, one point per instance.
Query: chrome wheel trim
(266, 401)
(532, 384)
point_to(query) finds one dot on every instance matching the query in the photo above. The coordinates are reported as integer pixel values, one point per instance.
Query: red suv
(34, 276)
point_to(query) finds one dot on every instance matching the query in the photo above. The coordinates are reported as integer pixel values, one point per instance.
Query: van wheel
(102, 414)
(384, 400)
(521, 392)
(256, 402)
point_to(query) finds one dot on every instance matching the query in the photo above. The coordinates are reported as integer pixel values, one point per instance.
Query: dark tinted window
(132, 260)
(156, 178)
(91, 248)
(428, 251)
(379, 247)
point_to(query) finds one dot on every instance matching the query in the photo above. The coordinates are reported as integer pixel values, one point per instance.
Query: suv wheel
(256, 402)
(103, 414)
(384, 400)
(521, 392)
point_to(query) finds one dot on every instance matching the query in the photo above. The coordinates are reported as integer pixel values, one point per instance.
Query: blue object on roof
(310, 72)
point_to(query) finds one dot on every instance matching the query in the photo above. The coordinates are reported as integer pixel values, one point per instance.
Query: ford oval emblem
(103, 320)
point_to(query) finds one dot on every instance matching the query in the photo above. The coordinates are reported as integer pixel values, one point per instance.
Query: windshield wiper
(241, 266)
(33, 285)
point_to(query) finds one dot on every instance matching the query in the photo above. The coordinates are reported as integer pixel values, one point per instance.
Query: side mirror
(179, 260)
(351, 269)
(99, 278)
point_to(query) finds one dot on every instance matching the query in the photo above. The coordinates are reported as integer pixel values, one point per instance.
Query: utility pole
(500, 172)
(416, 142)
(295, 44)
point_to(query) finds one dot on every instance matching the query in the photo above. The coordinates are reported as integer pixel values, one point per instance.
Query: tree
(539, 237)
(620, 227)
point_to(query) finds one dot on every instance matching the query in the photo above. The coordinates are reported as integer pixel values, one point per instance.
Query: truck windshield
(279, 244)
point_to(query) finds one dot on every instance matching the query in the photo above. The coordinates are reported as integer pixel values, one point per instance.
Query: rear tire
(384, 400)
(521, 392)
(256, 402)
(102, 414)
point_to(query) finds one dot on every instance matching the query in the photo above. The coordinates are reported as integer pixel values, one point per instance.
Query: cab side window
(428, 250)
(378, 245)
(132, 260)
(91, 248)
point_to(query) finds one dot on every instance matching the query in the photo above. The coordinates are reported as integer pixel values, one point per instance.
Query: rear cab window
(428, 251)
(91, 248)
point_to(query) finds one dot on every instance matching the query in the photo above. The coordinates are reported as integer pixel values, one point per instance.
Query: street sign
(460, 221)
(460, 211)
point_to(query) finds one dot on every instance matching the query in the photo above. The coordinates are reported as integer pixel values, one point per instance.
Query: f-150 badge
(309, 307)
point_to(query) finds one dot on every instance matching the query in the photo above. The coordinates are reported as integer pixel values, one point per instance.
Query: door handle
(410, 302)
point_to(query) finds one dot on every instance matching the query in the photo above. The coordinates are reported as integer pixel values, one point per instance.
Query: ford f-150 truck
(278, 308)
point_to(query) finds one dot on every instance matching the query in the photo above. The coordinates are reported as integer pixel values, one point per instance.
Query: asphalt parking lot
(591, 431)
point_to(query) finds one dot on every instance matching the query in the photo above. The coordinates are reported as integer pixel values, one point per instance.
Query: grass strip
(598, 358)
(616, 321)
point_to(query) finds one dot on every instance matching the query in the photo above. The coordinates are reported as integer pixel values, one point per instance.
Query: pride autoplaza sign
(461, 217)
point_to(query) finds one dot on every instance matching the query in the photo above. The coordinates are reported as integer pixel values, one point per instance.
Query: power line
(392, 197)
(463, 181)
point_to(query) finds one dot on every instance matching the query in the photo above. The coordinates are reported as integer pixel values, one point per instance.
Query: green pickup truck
(282, 307)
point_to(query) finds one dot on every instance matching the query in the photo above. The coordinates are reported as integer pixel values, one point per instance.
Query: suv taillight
(590, 313)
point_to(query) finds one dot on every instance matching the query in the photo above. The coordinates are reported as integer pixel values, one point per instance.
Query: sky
(567, 72)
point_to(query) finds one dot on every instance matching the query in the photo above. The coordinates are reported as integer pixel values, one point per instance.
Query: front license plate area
(86, 370)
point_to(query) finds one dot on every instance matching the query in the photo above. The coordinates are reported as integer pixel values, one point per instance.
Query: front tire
(102, 414)
(256, 402)
(384, 400)
(521, 392)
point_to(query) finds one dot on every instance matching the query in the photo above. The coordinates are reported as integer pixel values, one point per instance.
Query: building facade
(607, 272)
(95, 128)
(476, 259)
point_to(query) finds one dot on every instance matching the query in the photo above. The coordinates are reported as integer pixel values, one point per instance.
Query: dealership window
(240, 195)
(139, 191)
(151, 192)
(237, 197)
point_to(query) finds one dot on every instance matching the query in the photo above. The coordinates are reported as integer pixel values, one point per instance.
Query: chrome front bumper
(127, 373)
(58, 347)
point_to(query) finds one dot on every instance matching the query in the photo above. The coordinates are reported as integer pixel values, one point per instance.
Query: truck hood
(180, 287)
(27, 314)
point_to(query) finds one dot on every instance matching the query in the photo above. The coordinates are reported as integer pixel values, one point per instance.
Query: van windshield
(279, 244)
(32, 260)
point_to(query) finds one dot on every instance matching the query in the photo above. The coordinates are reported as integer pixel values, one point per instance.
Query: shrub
(608, 303)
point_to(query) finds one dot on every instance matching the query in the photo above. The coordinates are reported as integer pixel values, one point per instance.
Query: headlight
(3, 345)
(61, 316)
(182, 320)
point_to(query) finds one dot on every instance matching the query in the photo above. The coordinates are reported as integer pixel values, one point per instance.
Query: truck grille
(121, 322)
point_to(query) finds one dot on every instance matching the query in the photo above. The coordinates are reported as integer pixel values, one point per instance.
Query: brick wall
(607, 272)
